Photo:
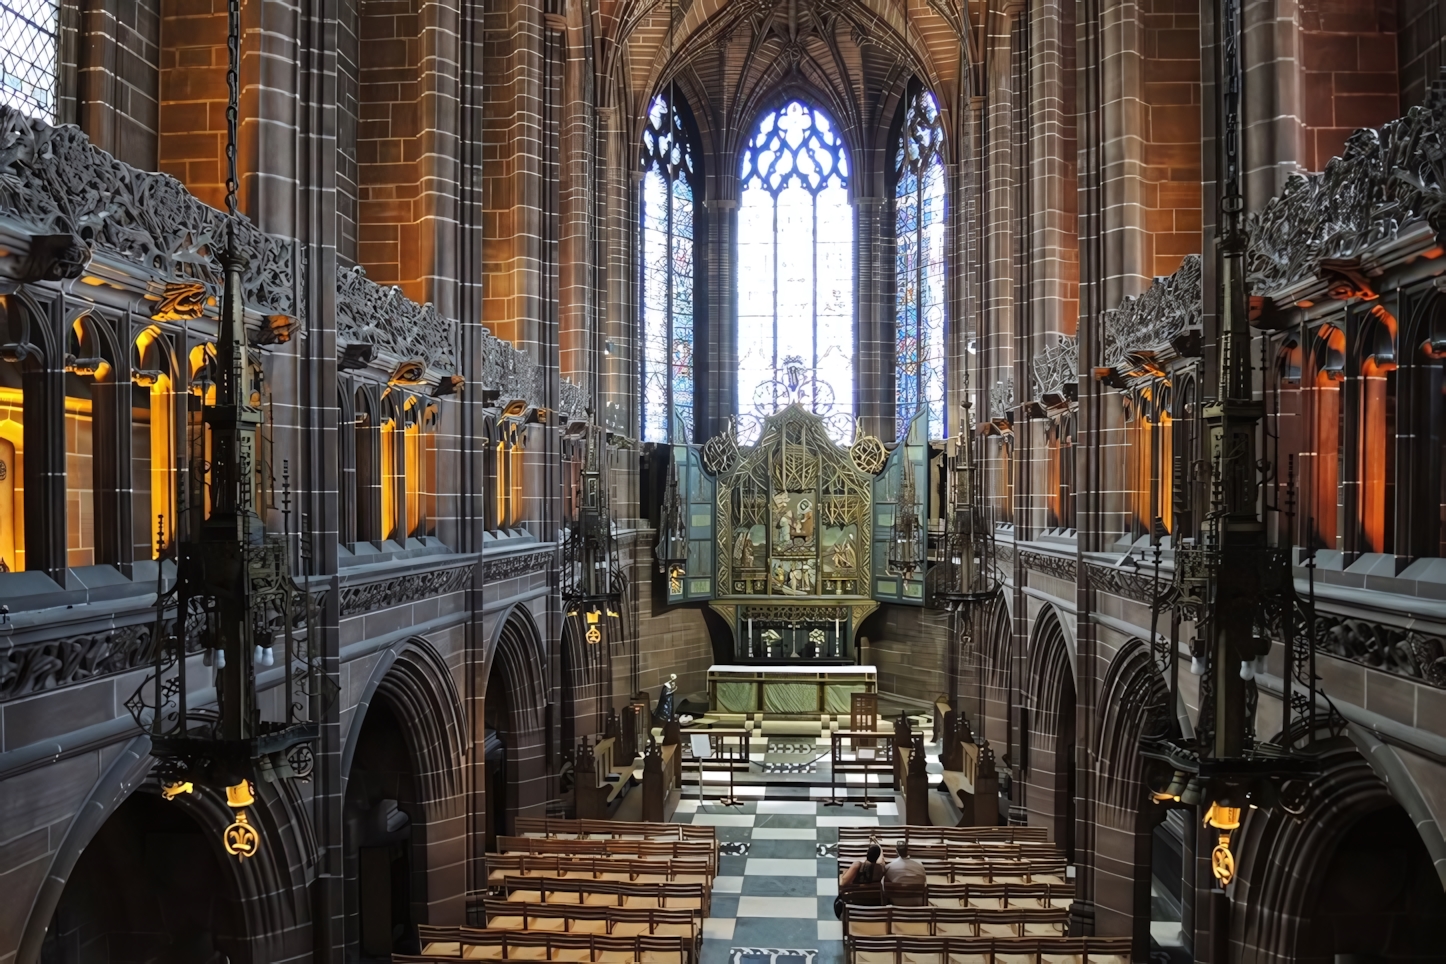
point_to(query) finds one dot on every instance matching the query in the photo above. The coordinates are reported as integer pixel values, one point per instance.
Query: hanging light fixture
(234, 587)
(1237, 589)
(593, 579)
(906, 539)
(672, 548)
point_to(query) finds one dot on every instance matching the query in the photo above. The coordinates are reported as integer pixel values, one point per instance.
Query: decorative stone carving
(1390, 649)
(1153, 321)
(1060, 567)
(394, 324)
(1001, 398)
(409, 588)
(573, 402)
(1054, 373)
(495, 570)
(1385, 183)
(28, 668)
(1136, 584)
(1004, 556)
(54, 181)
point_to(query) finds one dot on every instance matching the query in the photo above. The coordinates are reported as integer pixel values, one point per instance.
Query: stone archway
(404, 808)
(1132, 697)
(1050, 767)
(514, 712)
(1350, 876)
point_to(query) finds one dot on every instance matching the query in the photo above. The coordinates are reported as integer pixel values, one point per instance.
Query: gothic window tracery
(919, 237)
(666, 374)
(795, 272)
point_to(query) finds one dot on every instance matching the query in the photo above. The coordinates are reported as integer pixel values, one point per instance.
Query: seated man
(904, 871)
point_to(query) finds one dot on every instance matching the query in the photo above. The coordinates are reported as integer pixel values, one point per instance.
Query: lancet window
(795, 271)
(29, 31)
(666, 374)
(919, 238)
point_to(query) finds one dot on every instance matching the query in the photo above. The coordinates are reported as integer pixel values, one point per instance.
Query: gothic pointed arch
(920, 243)
(1050, 699)
(1351, 829)
(795, 274)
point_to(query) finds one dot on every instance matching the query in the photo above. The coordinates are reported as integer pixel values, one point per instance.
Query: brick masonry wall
(1348, 72)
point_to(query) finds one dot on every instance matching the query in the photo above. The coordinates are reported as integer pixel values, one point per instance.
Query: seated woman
(867, 871)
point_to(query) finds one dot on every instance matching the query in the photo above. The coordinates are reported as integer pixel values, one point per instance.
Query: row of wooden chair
(611, 846)
(928, 921)
(617, 829)
(984, 870)
(988, 950)
(913, 833)
(592, 919)
(1037, 894)
(680, 869)
(602, 893)
(472, 943)
(955, 849)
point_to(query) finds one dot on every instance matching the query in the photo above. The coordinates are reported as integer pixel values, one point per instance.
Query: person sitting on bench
(867, 871)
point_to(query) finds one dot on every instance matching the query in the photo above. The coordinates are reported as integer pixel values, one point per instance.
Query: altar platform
(807, 692)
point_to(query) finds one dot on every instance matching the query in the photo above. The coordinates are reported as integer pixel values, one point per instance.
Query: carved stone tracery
(54, 181)
(409, 588)
(1387, 183)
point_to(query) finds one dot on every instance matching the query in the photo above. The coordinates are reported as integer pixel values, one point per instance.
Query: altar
(806, 691)
(794, 540)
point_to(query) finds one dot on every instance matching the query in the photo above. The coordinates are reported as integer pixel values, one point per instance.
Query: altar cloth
(805, 691)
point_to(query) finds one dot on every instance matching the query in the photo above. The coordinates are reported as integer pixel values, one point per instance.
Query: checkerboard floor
(777, 876)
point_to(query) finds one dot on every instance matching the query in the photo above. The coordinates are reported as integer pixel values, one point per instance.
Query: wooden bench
(474, 943)
(929, 921)
(700, 849)
(986, 870)
(661, 773)
(680, 869)
(1037, 894)
(592, 919)
(956, 850)
(988, 950)
(614, 829)
(605, 893)
(928, 835)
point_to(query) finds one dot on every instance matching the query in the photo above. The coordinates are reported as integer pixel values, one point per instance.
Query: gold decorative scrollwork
(240, 838)
(182, 301)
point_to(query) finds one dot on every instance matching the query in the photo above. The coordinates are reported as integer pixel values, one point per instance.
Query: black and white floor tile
(777, 875)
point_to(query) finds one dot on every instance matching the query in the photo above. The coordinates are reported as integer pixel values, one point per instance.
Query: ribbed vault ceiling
(733, 58)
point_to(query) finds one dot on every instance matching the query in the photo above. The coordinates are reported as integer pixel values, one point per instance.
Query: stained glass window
(919, 239)
(666, 374)
(795, 272)
(28, 30)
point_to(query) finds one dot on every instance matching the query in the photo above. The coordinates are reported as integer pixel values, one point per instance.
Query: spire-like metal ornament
(235, 597)
(1236, 587)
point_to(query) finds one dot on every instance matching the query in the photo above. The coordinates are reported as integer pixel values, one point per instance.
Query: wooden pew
(956, 849)
(985, 870)
(925, 834)
(700, 849)
(988, 950)
(680, 869)
(473, 943)
(661, 770)
(930, 921)
(593, 919)
(615, 893)
(1038, 894)
(616, 829)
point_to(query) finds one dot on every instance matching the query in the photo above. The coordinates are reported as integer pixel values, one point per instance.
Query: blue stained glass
(666, 370)
(920, 288)
(795, 270)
